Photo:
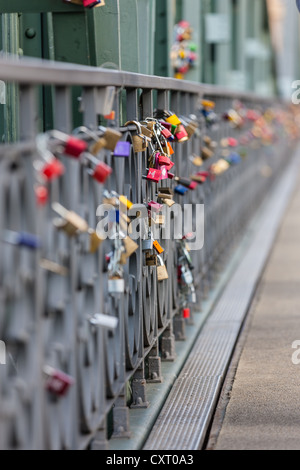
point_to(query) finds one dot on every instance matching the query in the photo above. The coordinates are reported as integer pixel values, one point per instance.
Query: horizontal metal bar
(37, 6)
(47, 72)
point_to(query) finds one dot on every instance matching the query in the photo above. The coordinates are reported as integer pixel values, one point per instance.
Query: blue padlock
(181, 190)
(234, 158)
(24, 239)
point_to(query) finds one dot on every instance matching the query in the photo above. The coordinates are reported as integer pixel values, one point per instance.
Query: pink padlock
(155, 206)
(164, 173)
(181, 134)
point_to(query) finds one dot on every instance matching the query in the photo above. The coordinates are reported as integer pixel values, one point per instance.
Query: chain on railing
(86, 308)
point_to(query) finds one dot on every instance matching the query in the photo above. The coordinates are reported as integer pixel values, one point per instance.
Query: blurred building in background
(245, 44)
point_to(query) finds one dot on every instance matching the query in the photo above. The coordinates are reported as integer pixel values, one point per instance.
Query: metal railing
(45, 314)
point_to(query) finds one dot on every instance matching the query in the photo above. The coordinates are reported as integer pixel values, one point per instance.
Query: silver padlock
(187, 276)
(116, 285)
(192, 298)
(147, 245)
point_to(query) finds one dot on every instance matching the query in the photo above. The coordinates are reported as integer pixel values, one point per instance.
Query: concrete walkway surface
(263, 412)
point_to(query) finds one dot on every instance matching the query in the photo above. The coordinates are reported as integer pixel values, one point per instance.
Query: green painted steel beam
(36, 6)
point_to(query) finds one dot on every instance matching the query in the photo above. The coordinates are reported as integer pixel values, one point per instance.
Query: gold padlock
(151, 260)
(191, 128)
(207, 153)
(111, 137)
(95, 241)
(197, 161)
(162, 273)
(98, 146)
(139, 141)
(53, 267)
(160, 219)
(71, 222)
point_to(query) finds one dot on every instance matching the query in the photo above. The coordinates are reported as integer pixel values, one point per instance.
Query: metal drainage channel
(185, 418)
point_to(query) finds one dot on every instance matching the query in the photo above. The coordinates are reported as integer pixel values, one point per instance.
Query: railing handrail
(33, 71)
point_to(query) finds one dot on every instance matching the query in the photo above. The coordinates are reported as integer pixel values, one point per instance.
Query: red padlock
(75, 147)
(164, 160)
(167, 134)
(186, 313)
(101, 172)
(58, 382)
(53, 169)
(193, 185)
(154, 175)
(42, 195)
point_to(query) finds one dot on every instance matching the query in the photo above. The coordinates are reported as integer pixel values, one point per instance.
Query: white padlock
(116, 286)
(187, 276)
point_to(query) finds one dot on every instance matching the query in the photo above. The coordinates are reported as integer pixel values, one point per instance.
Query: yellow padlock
(174, 120)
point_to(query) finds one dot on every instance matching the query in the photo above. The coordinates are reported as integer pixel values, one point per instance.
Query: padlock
(167, 134)
(183, 181)
(147, 245)
(95, 241)
(90, 3)
(71, 223)
(191, 128)
(53, 169)
(122, 149)
(198, 178)
(58, 383)
(130, 247)
(220, 167)
(53, 267)
(160, 219)
(154, 206)
(169, 202)
(111, 137)
(98, 146)
(139, 141)
(197, 161)
(181, 190)
(164, 173)
(151, 260)
(181, 134)
(125, 203)
(166, 191)
(101, 172)
(41, 195)
(116, 285)
(162, 273)
(206, 153)
(186, 276)
(22, 239)
(158, 247)
(192, 297)
(186, 313)
(154, 175)
(169, 149)
(163, 160)
(73, 146)
(173, 119)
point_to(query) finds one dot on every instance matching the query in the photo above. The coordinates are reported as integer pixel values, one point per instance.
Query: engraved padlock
(139, 141)
(151, 260)
(116, 285)
(162, 272)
